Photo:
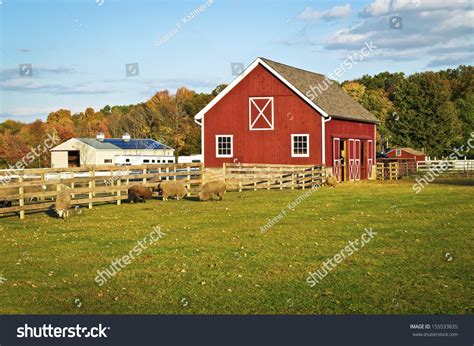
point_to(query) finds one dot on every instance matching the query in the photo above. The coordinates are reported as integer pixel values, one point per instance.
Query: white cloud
(439, 32)
(32, 111)
(333, 13)
(386, 7)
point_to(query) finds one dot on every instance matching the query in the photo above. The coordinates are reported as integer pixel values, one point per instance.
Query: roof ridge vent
(126, 137)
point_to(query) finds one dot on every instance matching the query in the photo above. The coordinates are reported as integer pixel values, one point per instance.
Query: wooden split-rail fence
(388, 169)
(36, 189)
(264, 176)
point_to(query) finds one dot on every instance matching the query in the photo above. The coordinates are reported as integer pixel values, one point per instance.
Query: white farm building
(77, 152)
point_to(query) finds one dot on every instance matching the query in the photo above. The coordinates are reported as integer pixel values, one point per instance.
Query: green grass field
(214, 258)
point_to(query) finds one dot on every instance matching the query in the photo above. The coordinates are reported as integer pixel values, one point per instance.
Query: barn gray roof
(94, 143)
(334, 100)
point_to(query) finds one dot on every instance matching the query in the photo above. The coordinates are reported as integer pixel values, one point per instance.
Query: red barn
(406, 153)
(277, 114)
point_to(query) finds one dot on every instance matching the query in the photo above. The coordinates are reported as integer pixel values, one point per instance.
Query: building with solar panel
(99, 151)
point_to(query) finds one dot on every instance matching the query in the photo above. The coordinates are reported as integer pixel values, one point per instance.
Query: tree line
(165, 117)
(429, 111)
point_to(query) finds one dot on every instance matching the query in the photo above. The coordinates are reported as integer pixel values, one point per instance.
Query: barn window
(261, 113)
(107, 160)
(146, 161)
(224, 145)
(127, 160)
(398, 152)
(300, 145)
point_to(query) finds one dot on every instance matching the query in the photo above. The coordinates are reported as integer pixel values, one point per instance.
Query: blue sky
(78, 48)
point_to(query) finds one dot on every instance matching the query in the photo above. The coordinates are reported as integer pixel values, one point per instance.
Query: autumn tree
(63, 123)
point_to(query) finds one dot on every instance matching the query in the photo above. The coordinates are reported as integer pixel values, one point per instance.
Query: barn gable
(331, 101)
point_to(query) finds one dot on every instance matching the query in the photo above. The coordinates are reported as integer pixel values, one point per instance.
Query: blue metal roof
(111, 143)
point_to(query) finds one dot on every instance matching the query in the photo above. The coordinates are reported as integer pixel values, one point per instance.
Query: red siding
(406, 155)
(344, 129)
(230, 116)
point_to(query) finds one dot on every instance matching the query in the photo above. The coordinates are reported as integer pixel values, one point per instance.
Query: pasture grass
(215, 260)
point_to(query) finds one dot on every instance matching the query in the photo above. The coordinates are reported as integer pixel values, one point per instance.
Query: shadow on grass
(456, 182)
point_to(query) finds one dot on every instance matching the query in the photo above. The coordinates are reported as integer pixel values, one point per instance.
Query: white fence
(448, 166)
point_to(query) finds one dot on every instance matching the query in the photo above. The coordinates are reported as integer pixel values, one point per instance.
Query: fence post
(21, 200)
(255, 177)
(72, 188)
(91, 186)
(112, 185)
(223, 172)
(144, 173)
(42, 183)
(239, 172)
(304, 179)
(268, 178)
(292, 180)
(119, 192)
(189, 177)
(93, 182)
(281, 178)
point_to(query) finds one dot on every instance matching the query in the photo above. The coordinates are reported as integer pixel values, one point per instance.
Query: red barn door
(370, 158)
(336, 156)
(357, 159)
(351, 159)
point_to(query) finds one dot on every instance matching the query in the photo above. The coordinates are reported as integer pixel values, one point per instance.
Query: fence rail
(35, 189)
(450, 166)
(392, 170)
(261, 176)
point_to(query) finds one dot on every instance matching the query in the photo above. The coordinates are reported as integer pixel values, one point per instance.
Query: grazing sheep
(63, 203)
(174, 188)
(215, 187)
(4, 194)
(137, 192)
(11, 191)
(35, 189)
(62, 187)
(331, 181)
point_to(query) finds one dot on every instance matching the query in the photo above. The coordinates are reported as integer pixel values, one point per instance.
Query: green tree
(427, 119)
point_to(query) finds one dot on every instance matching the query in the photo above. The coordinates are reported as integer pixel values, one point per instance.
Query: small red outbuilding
(277, 114)
(406, 153)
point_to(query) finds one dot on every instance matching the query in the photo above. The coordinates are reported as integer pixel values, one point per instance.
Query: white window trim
(271, 100)
(231, 146)
(293, 146)
(398, 152)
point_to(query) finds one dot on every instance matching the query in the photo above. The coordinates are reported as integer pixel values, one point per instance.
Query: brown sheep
(12, 191)
(63, 203)
(137, 192)
(35, 189)
(331, 181)
(4, 194)
(174, 188)
(215, 187)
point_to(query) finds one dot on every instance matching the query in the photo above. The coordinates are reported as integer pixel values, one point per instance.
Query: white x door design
(261, 115)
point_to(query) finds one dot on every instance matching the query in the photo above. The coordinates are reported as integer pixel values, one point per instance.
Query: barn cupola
(100, 137)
